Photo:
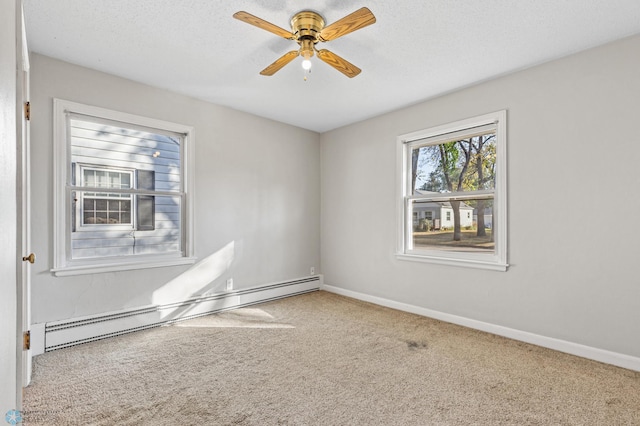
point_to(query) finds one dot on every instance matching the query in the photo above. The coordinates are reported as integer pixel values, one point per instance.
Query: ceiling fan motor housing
(306, 26)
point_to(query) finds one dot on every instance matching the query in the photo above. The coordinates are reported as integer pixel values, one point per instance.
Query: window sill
(466, 263)
(122, 266)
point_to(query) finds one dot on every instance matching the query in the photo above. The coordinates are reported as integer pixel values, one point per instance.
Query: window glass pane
(164, 237)
(115, 147)
(453, 225)
(112, 157)
(101, 179)
(100, 204)
(455, 166)
(89, 178)
(114, 180)
(125, 181)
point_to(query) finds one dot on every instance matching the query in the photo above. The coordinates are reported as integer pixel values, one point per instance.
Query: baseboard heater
(75, 331)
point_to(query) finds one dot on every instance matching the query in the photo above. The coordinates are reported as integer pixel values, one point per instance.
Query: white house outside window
(452, 184)
(122, 191)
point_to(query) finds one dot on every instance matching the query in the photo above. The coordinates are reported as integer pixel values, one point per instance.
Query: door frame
(10, 287)
(24, 193)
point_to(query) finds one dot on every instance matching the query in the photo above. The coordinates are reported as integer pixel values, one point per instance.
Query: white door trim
(25, 196)
(10, 323)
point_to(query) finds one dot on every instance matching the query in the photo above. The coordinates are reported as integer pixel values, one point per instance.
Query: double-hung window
(123, 191)
(452, 207)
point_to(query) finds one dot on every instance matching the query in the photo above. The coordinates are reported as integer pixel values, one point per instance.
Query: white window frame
(63, 265)
(492, 261)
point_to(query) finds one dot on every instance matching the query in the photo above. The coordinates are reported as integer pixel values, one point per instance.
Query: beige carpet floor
(323, 359)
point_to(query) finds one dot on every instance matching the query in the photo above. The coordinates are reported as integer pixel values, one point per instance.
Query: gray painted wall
(257, 205)
(572, 140)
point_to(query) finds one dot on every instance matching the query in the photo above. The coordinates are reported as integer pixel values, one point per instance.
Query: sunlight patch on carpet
(239, 318)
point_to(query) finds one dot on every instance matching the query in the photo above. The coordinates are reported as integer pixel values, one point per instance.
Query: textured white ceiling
(416, 50)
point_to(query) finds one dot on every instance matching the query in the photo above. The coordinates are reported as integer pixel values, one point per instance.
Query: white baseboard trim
(601, 355)
(74, 331)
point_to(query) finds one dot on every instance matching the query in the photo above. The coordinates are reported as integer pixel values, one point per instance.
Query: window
(122, 191)
(457, 173)
(103, 208)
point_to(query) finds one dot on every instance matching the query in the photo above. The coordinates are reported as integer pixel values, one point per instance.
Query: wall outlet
(313, 270)
(229, 284)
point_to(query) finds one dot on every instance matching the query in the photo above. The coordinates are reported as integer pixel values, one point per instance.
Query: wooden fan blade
(261, 23)
(350, 23)
(280, 62)
(338, 63)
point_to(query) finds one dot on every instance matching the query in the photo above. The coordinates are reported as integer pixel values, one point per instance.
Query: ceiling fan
(307, 29)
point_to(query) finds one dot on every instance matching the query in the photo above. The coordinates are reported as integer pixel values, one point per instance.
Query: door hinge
(26, 340)
(27, 110)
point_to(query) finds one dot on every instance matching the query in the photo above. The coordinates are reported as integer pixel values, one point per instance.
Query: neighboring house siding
(105, 146)
(439, 211)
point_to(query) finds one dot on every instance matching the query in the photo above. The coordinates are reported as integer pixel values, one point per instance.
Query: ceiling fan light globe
(306, 64)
